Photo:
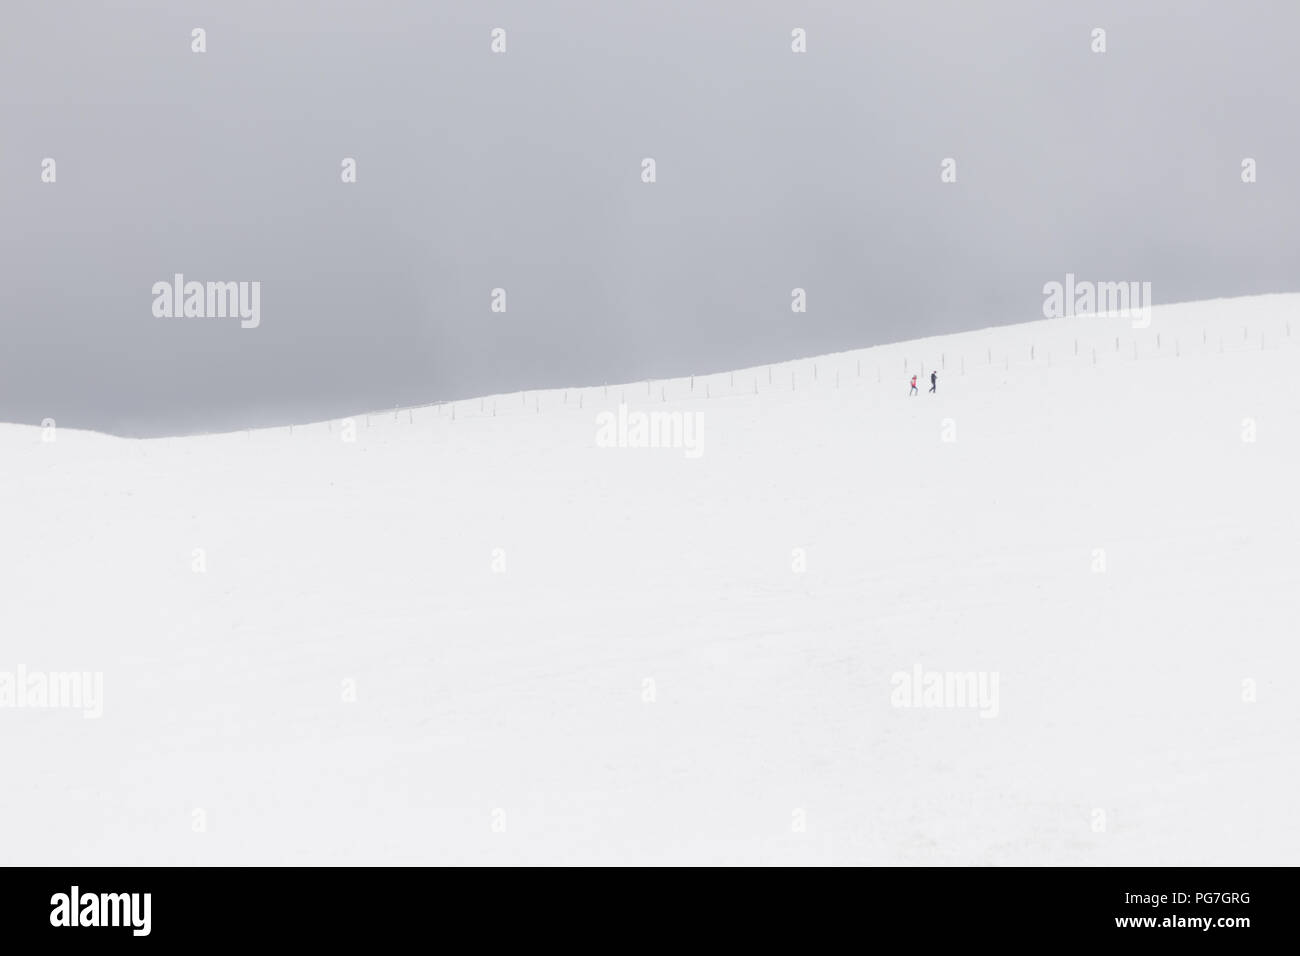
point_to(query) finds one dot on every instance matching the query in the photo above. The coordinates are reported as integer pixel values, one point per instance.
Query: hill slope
(562, 652)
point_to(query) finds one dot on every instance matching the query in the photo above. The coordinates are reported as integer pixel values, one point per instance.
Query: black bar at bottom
(339, 907)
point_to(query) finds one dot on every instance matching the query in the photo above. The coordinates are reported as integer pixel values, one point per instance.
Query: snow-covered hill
(486, 633)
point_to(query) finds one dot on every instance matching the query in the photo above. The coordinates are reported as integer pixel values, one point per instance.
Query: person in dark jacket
(934, 381)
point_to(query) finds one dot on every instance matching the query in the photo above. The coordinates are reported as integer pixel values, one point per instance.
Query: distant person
(934, 381)
(913, 391)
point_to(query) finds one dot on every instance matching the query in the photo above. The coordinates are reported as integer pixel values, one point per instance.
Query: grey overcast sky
(522, 170)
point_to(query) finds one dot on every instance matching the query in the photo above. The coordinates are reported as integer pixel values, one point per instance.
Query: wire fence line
(877, 368)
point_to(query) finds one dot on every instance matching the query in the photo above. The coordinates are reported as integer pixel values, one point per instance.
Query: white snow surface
(572, 654)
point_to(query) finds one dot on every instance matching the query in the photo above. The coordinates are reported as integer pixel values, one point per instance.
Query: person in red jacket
(913, 391)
